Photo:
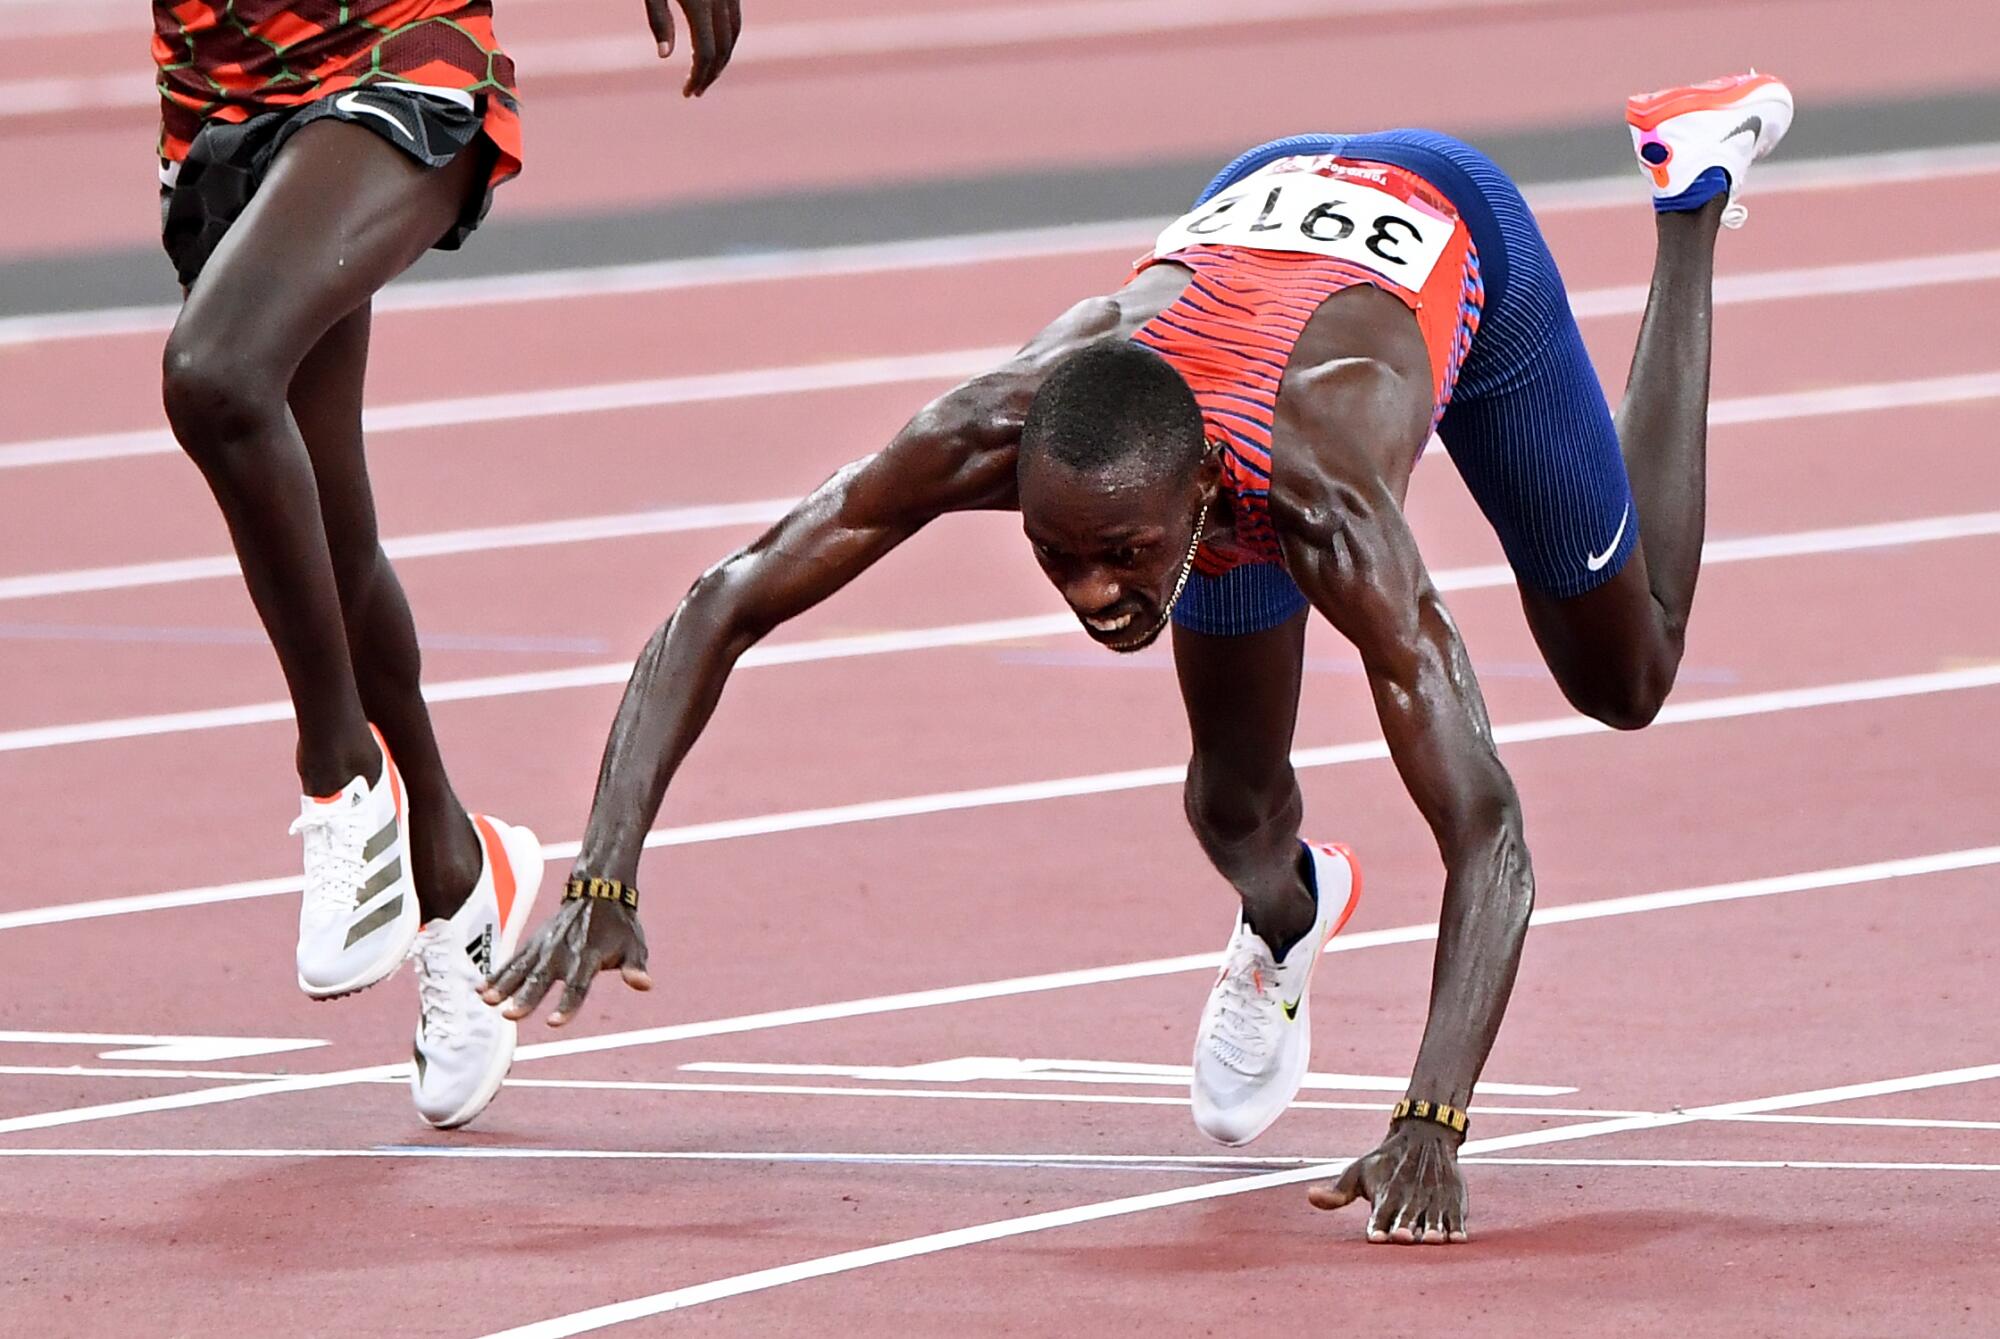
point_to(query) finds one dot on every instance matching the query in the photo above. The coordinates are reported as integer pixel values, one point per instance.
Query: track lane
(1587, 966)
(929, 117)
(110, 383)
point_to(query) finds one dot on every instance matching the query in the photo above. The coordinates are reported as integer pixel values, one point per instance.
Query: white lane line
(1858, 398)
(951, 365)
(1172, 1162)
(563, 402)
(1875, 1122)
(436, 544)
(1779, 885)
(678, 1299)
(1742, 1164)
(1717, 552)
(426, 1152)
(727, 515)
(1105, 1162)
(795, 1090)
(129, 1072)
(1066, 1097)
(1102, 783)
(1061, 1097)
(1010, 1069)
(1810, 281)
(125, 906)
(1549, 200)
(936, 33)
(187, 1050)
(203, 1097)
(543, 681)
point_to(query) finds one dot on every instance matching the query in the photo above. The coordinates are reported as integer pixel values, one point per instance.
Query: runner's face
(1114, 544)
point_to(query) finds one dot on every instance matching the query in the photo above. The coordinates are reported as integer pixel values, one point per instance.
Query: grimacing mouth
(1105, 632)
(1101, 629)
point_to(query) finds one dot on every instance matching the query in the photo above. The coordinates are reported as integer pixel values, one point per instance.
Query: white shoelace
(333, 863)
(1246, 995)
(440, 965)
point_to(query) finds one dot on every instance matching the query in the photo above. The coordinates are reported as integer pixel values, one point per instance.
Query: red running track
(914, 89)
(1834, 725)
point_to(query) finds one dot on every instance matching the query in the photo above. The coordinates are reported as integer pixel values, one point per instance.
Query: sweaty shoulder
(961, 447)
(1350, 430)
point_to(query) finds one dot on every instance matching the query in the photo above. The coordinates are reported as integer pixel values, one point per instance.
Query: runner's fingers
(661, 17)
(728, 27)
(509, 978)
(1431, 1231)
(1403, 1226)
(1382, 1218)
(528, 998)
(1331, 1194)
(701, 32)
(575, 987)
(633, 965)
(1338, 1193)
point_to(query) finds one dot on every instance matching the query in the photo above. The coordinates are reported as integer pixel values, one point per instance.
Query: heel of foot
(1713, 182)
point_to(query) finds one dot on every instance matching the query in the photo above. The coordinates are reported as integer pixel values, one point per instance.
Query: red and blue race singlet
(1266, 252)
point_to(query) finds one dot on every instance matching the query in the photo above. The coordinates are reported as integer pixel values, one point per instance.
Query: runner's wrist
(602, 891)
(1421, 1116)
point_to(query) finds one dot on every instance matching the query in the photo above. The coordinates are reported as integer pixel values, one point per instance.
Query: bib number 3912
(1324, 216)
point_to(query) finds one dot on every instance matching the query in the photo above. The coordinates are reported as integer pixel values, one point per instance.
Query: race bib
(1281, 208)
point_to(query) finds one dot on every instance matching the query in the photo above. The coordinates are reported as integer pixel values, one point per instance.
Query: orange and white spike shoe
(1254, 1044)
(1698, 142)
(359, 913)
(464, 1047)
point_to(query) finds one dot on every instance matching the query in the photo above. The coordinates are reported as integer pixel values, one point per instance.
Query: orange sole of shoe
(1648, 110)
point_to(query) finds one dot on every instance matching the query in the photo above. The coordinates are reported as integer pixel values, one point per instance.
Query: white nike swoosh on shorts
(1595, 562)
(351, 102)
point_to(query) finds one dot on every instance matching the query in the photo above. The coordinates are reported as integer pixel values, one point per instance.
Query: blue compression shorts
(1528, 426)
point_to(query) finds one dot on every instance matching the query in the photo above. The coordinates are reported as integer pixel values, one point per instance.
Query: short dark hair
(1111, 404)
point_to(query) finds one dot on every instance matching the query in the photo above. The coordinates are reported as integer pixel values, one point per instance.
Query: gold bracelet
(602, 890)
(1436, 1112)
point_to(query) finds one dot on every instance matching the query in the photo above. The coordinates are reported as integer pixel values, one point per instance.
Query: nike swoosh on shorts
(1595, 562)
(352, 103)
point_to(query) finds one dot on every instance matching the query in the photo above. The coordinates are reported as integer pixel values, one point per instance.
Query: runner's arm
(1353, 555)
(1358, 564)
(957, 455)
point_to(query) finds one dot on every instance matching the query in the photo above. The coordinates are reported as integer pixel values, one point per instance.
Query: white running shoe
(359, 912)
(1255, 1042)
(463, 1046)
(1699, 141)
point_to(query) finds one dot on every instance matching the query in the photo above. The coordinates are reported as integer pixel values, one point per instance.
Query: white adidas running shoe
(463, 1046)
(359, 913)
(1255, 1041)
(1699, 141)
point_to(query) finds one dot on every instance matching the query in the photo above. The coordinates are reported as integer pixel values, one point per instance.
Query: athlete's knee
(219, 394)
(1630, 698)
(1227, 810)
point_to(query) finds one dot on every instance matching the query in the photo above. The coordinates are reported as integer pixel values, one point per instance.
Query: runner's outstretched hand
(713, 26)
(584, 937)
(1414, 1183)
